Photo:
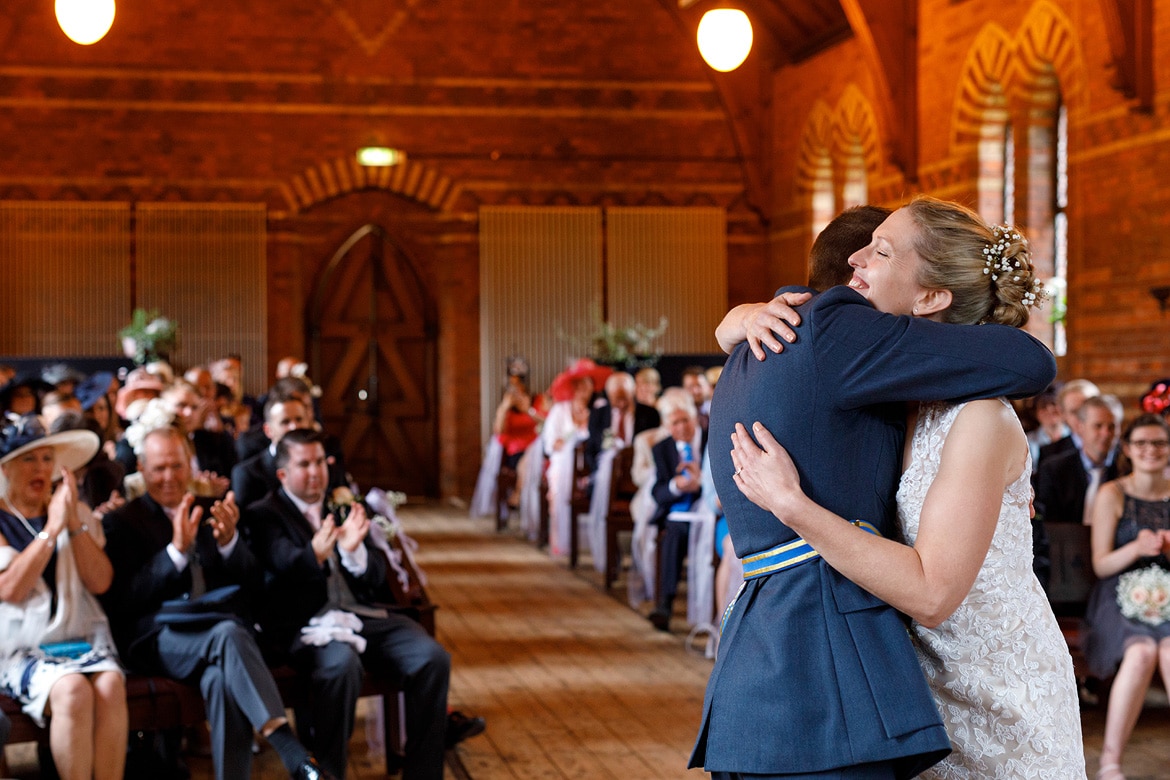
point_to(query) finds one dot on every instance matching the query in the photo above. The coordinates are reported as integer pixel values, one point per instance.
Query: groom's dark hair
(852, 229)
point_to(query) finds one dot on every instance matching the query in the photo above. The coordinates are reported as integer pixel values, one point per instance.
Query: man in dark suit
(1067, 481)
(1071, 397)
(804, 651)
(255, 477)
(161, 550)
(618, 413)
(255, 440)
(322, 567)
(677, 463)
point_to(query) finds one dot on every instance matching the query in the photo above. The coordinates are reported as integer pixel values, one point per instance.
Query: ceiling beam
(1129, 27)
(887, 31)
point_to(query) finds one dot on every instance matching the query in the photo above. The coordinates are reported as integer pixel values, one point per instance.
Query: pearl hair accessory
(995, 262)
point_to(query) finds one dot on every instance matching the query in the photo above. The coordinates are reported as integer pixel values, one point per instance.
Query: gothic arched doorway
(372, 349)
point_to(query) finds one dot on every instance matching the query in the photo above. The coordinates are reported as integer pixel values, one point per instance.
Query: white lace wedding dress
(998, 668)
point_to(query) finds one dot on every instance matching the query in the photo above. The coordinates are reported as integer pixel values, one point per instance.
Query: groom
(816, 677)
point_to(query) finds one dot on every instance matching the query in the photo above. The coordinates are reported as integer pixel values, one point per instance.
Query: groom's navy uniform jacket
(813, 672)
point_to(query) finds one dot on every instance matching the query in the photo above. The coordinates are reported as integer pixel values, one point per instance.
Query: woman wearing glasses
(1128, 621)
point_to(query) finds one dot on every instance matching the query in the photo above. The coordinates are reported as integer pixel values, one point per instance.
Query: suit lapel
(298, 524)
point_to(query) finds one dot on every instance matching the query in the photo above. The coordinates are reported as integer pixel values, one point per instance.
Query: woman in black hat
(56, 657)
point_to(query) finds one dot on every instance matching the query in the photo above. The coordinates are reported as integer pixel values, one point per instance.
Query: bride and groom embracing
(901, 487)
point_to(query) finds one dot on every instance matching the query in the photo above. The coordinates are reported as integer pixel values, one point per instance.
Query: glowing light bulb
(85, 21)
(725, 38)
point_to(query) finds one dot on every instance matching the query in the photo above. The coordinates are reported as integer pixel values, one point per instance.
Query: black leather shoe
(461, 727)
(311, 770)
(660, 620)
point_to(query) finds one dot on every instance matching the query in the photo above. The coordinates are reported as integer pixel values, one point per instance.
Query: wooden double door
(372, 349)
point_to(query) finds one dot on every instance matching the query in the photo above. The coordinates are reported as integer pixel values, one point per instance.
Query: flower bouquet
(1144, 594)
(149, 337)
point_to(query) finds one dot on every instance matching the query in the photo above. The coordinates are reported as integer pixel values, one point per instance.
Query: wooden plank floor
(573, 683)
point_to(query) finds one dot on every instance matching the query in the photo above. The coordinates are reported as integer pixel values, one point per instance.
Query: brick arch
(816, 143)
(982, 86)
(342, 175)
(854, 122)
(1047, 50)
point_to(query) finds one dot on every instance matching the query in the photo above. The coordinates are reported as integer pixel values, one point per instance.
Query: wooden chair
(578, 501)
(618, 520)
(1070, 583)
(505, 484)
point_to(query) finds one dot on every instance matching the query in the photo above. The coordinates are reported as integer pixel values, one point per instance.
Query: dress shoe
(660, 620)
(311, 770)
(461, 727)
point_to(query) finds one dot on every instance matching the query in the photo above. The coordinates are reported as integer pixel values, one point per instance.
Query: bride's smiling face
(886, 271)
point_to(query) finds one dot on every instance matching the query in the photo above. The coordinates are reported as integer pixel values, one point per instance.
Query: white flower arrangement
(1144, 594)
(155, 414)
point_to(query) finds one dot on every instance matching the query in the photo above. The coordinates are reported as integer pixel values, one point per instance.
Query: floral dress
(1108, 631)
(59, 629)
(998, 668)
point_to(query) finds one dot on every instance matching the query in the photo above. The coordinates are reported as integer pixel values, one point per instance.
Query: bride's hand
(761, 324)
(763, 472)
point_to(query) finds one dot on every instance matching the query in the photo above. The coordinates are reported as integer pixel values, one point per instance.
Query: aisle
(573, 683)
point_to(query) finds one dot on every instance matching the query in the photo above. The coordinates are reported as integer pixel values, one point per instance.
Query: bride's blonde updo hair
(987, 269)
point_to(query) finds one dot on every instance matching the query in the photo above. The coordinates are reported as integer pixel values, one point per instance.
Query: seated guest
(215, 451)
(647, 386)
(695, 381)
(1070, 397)
(94, 394)
(515, 423)
(55, 654)
(1131, 532)
(63, 377)
(56, 403)
(163, 549)
(676, 488)
(320, 614)
(640, 584)
(254, 439)
(1067, 482)
(256, 476)
(619, 414)
(1050, 426)
(22, 395)
(240, 408)
(140, 386)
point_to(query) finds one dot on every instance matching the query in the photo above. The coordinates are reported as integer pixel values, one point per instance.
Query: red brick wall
(604, 102)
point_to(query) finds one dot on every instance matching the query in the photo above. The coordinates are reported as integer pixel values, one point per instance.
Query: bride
(987, 641)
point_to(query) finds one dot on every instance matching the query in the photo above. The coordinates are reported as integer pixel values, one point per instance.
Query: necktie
(198, 583)
(313, 515)
(619, 427)
(1095, 475)
(686, 454)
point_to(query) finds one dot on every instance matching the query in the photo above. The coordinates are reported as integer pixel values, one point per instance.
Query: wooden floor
(572, 682)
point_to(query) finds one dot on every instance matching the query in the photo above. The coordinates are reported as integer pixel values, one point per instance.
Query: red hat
(562, 386)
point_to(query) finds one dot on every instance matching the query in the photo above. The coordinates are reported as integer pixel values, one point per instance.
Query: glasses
(1154, 444)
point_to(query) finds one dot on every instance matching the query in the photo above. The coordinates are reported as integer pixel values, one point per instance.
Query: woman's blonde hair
(987, 269)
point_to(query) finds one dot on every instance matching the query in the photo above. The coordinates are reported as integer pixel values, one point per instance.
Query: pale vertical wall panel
(668, 262)
(204, 266)
(66, 278)
(540, 276)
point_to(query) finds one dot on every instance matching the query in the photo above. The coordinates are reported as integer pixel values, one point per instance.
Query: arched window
(854, 191)
(1058, 286)
(996, 167)
(824, 206)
